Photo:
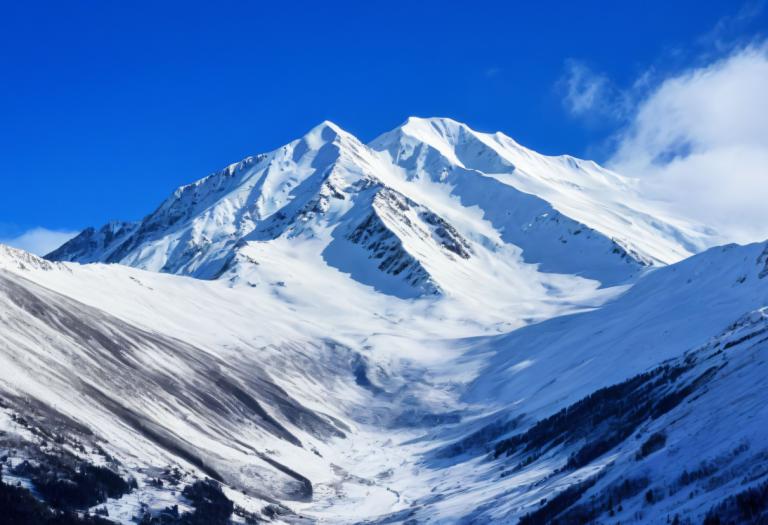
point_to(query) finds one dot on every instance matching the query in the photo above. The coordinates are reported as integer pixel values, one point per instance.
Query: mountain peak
(433, 121)
(453, 132)
(324, 133)
(329, 125)
(566, 216)
(447, 128)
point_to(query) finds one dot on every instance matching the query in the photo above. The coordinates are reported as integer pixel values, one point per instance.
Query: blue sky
(107, 106)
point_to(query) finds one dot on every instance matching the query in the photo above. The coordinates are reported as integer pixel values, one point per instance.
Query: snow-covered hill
(438, 327)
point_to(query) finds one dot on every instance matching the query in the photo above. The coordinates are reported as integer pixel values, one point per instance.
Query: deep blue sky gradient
(107, 106)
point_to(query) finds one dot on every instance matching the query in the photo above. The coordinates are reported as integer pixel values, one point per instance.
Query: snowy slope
(422, 397)
(541, 204)
(149, 397)
(703, 318)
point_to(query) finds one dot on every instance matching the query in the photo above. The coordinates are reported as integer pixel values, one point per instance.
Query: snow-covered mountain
(438, 327)
(424, 202)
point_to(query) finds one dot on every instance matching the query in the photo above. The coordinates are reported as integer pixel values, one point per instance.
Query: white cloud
(699, 142)
(590, 94)
(39, 241)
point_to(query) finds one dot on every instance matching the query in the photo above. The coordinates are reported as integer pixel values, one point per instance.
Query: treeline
(749, 506)
(550, 509)
(564, 508)
(211, 506)
(20, 507)
(604, 418)
(66, 487)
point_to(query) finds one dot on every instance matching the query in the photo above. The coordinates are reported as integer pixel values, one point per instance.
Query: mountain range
(439, 326)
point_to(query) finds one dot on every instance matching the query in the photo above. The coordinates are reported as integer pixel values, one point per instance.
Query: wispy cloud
(693, 128)
(39, 241)
(733, 30)
(590, 94)
(699, 142)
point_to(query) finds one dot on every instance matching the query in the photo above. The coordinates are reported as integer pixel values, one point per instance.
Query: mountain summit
(420, 205)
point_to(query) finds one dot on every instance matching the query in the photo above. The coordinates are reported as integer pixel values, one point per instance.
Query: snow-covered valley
(440, 326)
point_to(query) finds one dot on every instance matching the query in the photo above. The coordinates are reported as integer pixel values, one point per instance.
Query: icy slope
(471, 192)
